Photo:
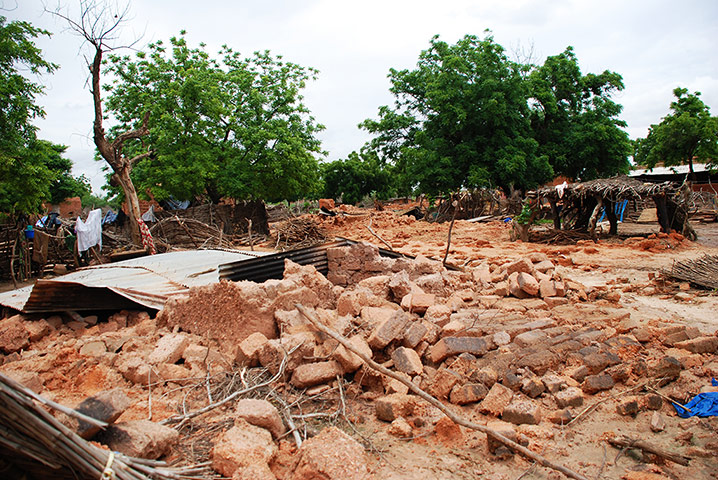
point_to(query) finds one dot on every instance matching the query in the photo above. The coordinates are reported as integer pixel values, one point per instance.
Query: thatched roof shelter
(615, 189)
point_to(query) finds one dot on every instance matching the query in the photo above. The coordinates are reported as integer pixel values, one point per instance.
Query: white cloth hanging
(89, 232)
(149, 215)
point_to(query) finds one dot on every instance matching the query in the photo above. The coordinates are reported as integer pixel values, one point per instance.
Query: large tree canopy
(359, 175)
(575, 121)
(233, 126)
(686, 134)
(31, 170)
(467, 116)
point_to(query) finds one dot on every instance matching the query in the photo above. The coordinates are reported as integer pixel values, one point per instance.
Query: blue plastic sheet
(702, 405)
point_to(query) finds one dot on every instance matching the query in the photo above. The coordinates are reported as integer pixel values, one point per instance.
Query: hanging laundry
(89, 232)
(149, 215)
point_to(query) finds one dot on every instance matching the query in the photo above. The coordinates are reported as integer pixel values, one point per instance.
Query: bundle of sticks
(188, 233)
(33, 441)
(299, 232)
(700, 271)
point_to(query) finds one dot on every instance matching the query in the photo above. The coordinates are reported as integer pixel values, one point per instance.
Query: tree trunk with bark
(111, 151)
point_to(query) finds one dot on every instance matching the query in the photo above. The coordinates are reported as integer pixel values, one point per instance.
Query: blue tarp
(702, 405)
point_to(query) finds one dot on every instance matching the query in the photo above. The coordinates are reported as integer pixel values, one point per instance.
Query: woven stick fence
(701, 271)
(188, 233)
(35, 441)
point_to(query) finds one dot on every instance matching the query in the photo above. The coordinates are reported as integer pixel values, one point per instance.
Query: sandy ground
(633, 268)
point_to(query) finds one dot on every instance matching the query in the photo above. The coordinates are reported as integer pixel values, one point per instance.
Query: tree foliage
(575, 121)
(357, 176)
(231, 126)
(467, 117)
(31, 170)
(686, 134)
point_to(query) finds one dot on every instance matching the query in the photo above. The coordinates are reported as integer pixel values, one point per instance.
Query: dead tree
(99, 25)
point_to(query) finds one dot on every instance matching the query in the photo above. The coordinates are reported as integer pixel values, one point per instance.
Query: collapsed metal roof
(147, 281)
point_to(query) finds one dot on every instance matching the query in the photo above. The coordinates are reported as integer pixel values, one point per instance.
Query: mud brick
(668, 368)
(570, 397)
(407, 361)
(501, 338)
(469, 393)
(390, 407)
(443, 382)
(389, 330)
(522, 412)
(418, 302)
(596, 362)
(169, 348)
(528, 283)
(652, 402)
(465, 364)
(539, 362)
(619, 373)
(564, 348)
(533, 387)
(628, 406)
(700, 345)
(555, 301)
(105, 406)
(512, 381)
(485, 375)
(248, 349)
(642, 334)
(547, 288)
(596, 383)
(531, 337)
(544, 266)
(449, 346)
(522, 265)
(350, 361)
(560, 417)
(553, 383)
(495, 401)
(310, 374)
(414, 334)
(261, 413)
(438, 314)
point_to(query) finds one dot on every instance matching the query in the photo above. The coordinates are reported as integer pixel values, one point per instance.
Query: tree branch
(432, 400)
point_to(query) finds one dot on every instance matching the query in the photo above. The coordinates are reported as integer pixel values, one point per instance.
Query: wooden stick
(377, 236)
(666, 397)
(451, 227)
(432, 400)
(626, 442)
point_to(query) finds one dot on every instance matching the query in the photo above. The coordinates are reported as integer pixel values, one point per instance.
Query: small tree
(686, 134)
(99, 24)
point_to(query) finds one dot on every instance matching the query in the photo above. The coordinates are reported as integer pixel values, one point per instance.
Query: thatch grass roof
(615, 189)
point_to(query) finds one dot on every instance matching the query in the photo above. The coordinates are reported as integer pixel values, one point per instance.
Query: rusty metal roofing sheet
(147, 281)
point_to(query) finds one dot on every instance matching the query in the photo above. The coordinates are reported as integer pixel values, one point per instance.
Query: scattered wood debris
(700, 271)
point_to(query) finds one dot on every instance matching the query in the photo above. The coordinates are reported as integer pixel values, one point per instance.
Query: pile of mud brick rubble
(511, 340)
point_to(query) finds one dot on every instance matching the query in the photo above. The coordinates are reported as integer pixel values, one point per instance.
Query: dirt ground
(631, 269)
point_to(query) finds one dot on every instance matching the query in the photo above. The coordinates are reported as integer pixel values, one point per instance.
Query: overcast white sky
(656, 45)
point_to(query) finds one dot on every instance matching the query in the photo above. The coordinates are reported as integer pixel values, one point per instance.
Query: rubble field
(561, 348)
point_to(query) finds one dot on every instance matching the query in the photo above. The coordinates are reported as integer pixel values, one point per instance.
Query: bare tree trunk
(594, 218)
(112, 151)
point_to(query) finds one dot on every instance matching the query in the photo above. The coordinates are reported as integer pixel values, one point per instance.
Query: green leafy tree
(575, 120)
(24, 176)
(460, 119)
(357, 176)
(686, 134)
(229, 127)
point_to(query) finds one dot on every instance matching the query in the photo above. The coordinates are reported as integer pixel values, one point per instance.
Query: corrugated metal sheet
(272, 266)
(147, 281)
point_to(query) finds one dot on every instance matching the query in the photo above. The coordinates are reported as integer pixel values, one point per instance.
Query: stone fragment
(495, 401)
(501, 338)
(522, 265)
(700, 345)
(400, 428)
(528, 283)
(418, 302)
(652, 402)
(310, 374)
(553, 383)
(37, 329)
(106, 406)
(531, 337)
(389, 330)
(13, 335)
(539, 362)
(272, 353)
(400, 285)
(532, 386)
(520, 412)
(389, 407)
(139, 438)
(350, 361)
(242, 446)
(248, 349)
(595, 383)
(468, 393)
(560, 417)
(135, 369)
(414, 334)
(578, 373)
(449, 346)
(169, 348)
(331, 455)
(407, 360)
(438, 314)
(93, 349)
(443, 382)
(261, 413)
(658, 424)
(485, 375)
(569, 397)
(668, 368)
(544, 266)
(628, 406)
